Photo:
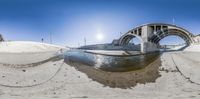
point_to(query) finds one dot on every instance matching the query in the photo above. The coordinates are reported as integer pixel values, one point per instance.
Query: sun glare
(99, 36)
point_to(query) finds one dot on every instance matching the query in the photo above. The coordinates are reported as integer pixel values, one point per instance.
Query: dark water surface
(110, 63)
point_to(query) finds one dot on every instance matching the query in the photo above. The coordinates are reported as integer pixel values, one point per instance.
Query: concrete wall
(129, 47)
(197, 39)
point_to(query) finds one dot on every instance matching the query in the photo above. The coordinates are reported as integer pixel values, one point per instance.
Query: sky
(72, 22)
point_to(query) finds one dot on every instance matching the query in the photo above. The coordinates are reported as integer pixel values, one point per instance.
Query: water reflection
(110, 63)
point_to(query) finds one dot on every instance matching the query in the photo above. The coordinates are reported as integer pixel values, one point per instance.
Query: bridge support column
(148, 47)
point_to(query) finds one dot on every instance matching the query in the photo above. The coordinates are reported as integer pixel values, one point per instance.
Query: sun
(100, 36)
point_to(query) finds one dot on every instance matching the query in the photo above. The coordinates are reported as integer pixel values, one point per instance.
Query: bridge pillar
(148, 47)
(144, 37)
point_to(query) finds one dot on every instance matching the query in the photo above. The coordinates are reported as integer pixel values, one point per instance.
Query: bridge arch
(127, 38)
(151, 34)
(159, 35)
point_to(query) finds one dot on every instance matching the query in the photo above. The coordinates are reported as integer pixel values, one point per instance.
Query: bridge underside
(164, 33)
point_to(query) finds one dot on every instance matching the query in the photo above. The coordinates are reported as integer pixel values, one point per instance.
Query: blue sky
(70, 21)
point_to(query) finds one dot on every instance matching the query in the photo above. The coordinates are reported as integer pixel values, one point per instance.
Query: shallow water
(116, 71)
(110, 63)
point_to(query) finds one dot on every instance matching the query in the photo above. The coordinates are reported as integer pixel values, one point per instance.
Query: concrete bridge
(151, 34)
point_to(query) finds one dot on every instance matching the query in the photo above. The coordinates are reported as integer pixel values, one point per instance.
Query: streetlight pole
(50, 37)
(85, 41)
(173, 21)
